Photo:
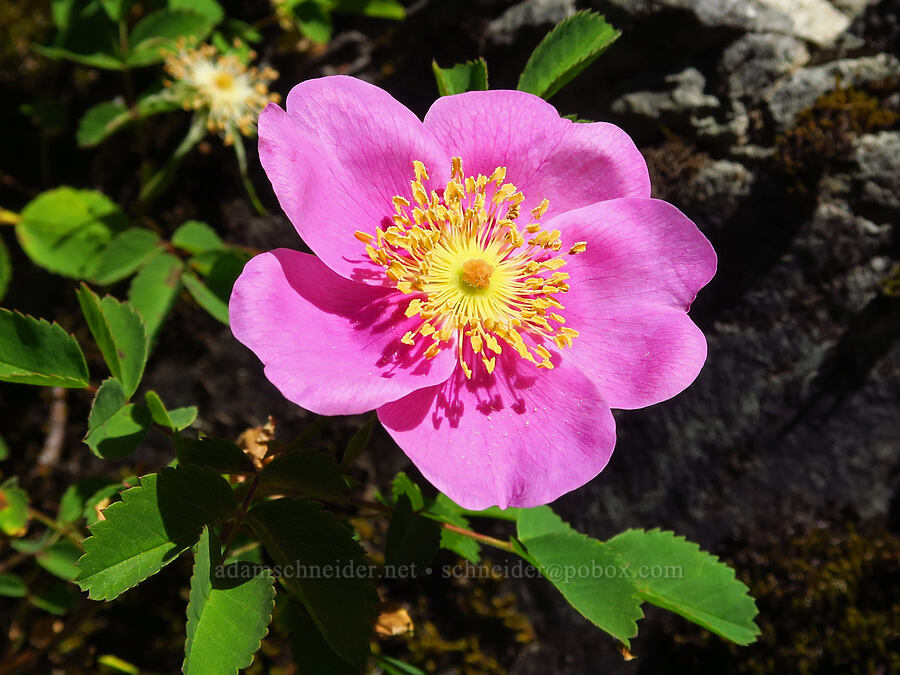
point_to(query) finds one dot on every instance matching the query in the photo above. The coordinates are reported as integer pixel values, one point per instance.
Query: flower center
(474, 274)
(224, 81)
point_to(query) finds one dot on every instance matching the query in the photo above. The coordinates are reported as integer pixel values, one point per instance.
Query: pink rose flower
(491, 280)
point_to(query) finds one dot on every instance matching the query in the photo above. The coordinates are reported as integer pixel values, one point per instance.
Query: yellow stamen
(477, 278)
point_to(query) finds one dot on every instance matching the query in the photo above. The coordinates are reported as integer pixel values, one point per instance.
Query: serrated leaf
(33, 351)
(152, 525)
(412, 539)
(5, 268)
(208, 300)
(154, 290)
(114, 428)
(103, 496)
(176, 419)
(462, 77)
(12, 586)
(584, 570)
(300, 535)
(380, 9)
(59, 559)
(313, 474)
(196, 237)
(217, 454)
(125, 254)
(159, 30)
(100, 122)
(228, 612)
(64, 230)
(13, 509)
(403, 485)
(120, 334)
(565, 51)
(447, 511)
(358, 442)
(689, 582)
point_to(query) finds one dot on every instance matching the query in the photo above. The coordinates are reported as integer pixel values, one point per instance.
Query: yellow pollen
(223, 80)
(475, 273)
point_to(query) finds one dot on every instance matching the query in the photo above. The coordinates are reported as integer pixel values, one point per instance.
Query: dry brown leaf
(255, 442)
(393, 622)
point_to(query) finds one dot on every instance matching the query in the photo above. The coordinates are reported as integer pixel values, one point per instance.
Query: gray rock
(878, 159)
(685, 97)
(718, 188)
(503, 29)
(755, 62)
(725, 133)
(816, 21)
(801, 89)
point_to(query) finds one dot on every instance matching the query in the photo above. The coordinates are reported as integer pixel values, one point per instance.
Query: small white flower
(232, 94)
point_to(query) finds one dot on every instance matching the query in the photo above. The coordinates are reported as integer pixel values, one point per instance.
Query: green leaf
(196, 237)
(59, 559)
(446, 510)
(76, 496)
(208, 300)
(160, 30)
(57, 597)
(111, 492)
(114, 428)
(584, 570)
(511, 514)
(4, 450)
(217, 454)
(120, 334)
(64, 230)
(5, 268)
(315, 544)
(154, 290)
(312, 19)
(228, 612)
(125, 254)
(100, 122)
(309, 648)
(152, 525)
(468, 76)
(358, 442)
(176, 420)
(675, 574)
(33, 351)
(12, 586)
(116, 9)
(565, 51)
(210, 9)
(411, 538)
(402, 485)
(99, 59)
(392, 666)
(13, 509)
(380, 9)
(313, 474)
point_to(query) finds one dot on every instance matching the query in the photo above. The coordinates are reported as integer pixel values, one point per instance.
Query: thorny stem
(239, 519)
(483, 538)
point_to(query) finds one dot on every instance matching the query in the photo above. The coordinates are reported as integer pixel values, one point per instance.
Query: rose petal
(644, 264)
(520, 438)
(570, 164)
(328, 344)
(336, 158)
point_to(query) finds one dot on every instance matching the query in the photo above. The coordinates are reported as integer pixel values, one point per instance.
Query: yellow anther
(364, 237)
(579, 247)
(432, 350)
(540, 209)
(421, 173)
(407, 339)
(489, 363)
